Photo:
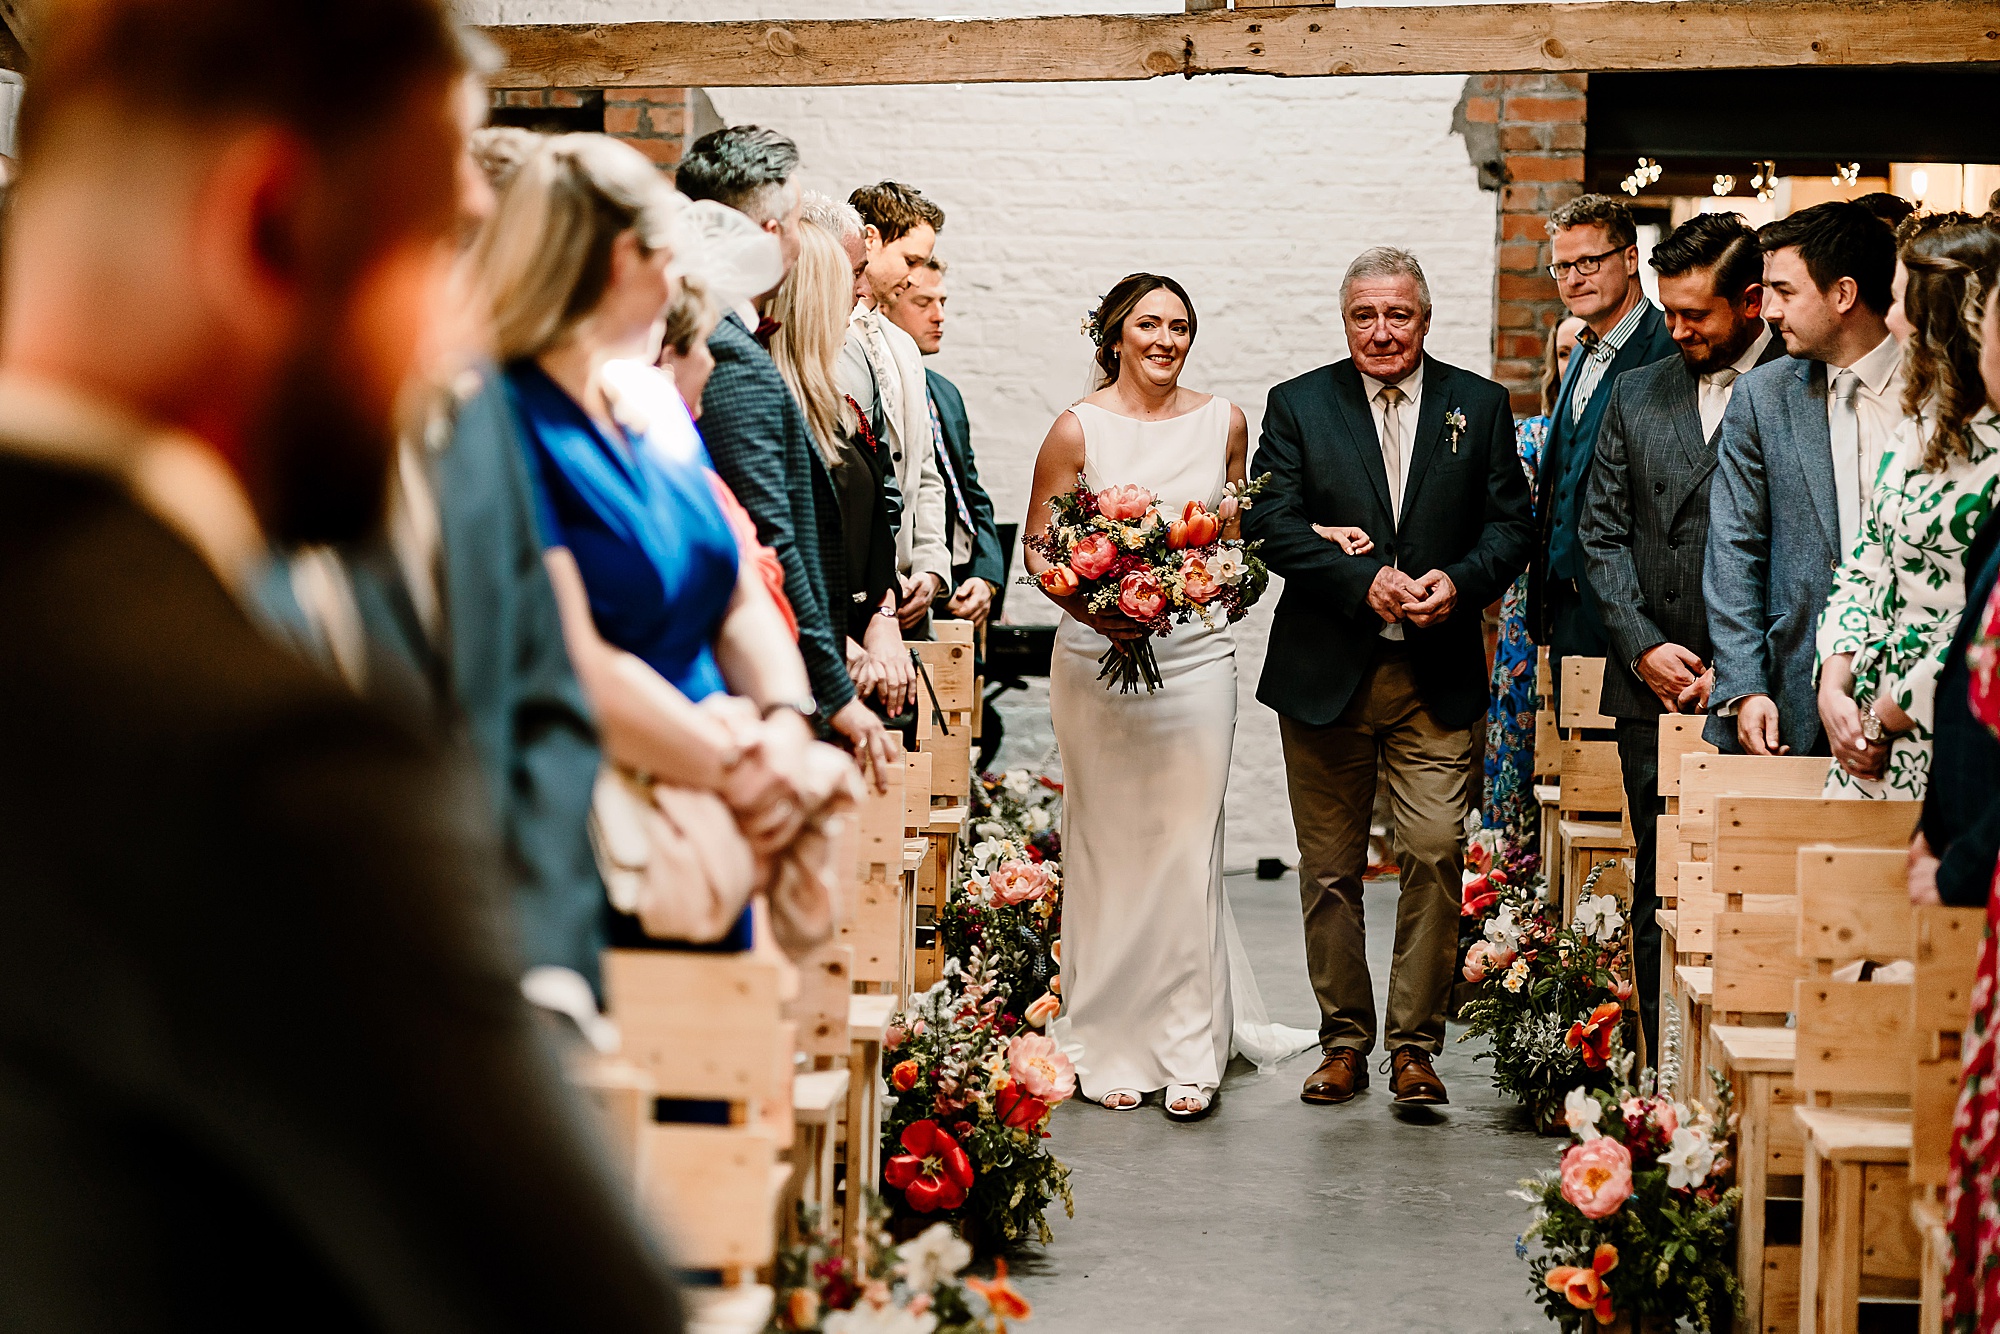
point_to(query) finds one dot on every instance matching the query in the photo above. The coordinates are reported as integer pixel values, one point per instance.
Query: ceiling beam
(1438, 39)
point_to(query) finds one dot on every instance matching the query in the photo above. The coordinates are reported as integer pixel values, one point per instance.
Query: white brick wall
(1253, 192)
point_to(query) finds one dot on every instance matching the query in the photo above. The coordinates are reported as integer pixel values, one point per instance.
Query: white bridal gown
(1155, 983)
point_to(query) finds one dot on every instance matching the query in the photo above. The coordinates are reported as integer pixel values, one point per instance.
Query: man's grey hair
(1385, 261)
(835, 216)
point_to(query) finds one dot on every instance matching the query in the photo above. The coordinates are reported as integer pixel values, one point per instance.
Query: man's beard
(327, 476)
(1716, 358)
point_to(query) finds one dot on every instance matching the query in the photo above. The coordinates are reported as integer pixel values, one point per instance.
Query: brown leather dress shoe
(1340, 1076)
(1412, 1079)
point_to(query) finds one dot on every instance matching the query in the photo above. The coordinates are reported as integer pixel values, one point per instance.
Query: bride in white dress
(1156, 989)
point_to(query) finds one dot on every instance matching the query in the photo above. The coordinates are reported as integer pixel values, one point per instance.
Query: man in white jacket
(882, 370)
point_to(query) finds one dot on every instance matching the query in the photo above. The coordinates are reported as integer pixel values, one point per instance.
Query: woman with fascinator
(1156, 989)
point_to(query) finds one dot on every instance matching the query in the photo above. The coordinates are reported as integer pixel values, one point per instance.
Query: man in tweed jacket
(757, 435)
(1644, 526)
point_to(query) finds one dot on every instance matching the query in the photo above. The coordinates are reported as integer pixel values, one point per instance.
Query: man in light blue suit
(1793, 461)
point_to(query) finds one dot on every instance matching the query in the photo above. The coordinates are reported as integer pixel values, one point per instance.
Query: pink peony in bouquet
(1127, 553)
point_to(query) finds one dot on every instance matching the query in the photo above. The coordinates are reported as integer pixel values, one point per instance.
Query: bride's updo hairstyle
(1107, 323)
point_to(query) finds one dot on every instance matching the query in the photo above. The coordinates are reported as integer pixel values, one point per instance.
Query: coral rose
(932, 1171)
(1124, 502)
(1044, 1008)
(1140, 596)
(1015, 882)
(1093, 556)
(1597, 1176)
(1060, 580)
(904, 1076)
(1040, 1068)
(1202, 527)
(1592, 1037)
(1196, 583)
(1585, 1289)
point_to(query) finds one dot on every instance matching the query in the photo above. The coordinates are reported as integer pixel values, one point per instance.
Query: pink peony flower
(1124, 502)
(1140, 596)
(1196, 581)
(1093, 555)
(1040, 1068)
(1597, 1176)
(1018, 882)
(1499, 956)
(1476, 961)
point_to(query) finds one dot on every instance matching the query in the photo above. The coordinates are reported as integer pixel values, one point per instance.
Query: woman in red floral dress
(1972, 1205)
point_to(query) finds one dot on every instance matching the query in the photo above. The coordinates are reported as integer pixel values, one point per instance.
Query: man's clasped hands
(1394, 596)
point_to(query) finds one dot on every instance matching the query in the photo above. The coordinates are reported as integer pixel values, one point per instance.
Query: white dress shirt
(1878, 410)
(1598, 354)
(1718, 387)
(1412, 386)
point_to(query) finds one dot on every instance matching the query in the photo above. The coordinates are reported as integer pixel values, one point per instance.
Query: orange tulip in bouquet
(1127, 553)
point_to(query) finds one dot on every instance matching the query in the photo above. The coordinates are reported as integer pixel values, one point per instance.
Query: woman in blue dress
(687, 662)
(1510, 812)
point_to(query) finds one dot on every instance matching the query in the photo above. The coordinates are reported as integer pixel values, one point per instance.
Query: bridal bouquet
(1127, 553)
(1636, 1224)
(1553, 998)
(972, 1096)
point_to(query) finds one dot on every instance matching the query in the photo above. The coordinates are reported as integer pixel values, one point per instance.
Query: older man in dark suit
(263, 1054)
(757, 435)
(1596, 269)
(1645, 522)
(1376, 665)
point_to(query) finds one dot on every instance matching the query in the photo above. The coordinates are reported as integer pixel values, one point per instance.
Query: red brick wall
(1540, 118)
(652, 120)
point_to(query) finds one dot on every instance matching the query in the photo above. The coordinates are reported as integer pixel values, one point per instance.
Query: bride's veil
(1253, 1034)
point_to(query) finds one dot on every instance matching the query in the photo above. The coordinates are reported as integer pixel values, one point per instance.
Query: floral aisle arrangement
(915, 1288)
(1127, 553)
(1010, 905)
(1638, 1221)
(1553, 997)
(972, 1092)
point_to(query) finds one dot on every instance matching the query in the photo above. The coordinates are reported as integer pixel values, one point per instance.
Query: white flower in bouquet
(1502, 929)
(1581, 1113)
(935, 1256)
(1598, 915)
(1018, 781)
(868, 1318)
(1036, 819)
(1226, 566)
(1688, 1160)
(987, 851)
(1517, 975)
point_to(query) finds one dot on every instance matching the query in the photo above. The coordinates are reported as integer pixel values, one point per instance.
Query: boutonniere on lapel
(1455, 420)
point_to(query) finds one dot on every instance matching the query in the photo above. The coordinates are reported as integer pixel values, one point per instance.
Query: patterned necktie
(944, 466)
(1392, 445)
(888, 379)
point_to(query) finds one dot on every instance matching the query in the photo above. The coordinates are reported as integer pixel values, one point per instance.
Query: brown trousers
(1332, 773)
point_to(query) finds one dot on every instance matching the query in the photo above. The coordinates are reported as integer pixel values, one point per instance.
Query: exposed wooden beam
(1442, 39)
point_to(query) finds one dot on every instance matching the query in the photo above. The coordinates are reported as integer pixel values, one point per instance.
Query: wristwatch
(1871, 726)
(805, 708)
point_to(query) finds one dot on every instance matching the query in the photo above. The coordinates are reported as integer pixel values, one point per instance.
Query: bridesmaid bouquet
(1127, 553)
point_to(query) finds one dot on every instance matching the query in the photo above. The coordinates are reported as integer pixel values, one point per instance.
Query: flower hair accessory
(1093, 328)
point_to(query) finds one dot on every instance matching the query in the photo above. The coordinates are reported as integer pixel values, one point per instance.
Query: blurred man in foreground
(263, 1060)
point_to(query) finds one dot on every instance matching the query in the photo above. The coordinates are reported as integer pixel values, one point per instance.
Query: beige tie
(1392, 446)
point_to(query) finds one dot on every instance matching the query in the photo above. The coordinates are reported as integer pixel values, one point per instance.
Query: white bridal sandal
(1122, 1105)
(1203, 1098)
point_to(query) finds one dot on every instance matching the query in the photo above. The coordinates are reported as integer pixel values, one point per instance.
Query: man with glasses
(1596, 270)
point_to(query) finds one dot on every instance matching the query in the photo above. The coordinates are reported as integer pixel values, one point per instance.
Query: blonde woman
(687, 663)
(812, 308)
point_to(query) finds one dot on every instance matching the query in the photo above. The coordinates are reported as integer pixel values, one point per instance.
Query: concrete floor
(1275, 1216)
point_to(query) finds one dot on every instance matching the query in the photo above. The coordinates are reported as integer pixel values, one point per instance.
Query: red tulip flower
(1017, 1108)
(932, 1172)
(1177, 534)
(1479, 897)
(1592, 1036)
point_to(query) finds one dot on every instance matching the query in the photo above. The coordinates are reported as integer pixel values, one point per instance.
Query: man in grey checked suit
(756, 433)
(1785, 501)
(1645, 522)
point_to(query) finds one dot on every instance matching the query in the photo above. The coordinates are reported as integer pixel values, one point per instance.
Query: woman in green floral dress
(1897, 598)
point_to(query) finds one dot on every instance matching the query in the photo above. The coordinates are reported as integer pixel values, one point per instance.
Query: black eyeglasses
(1585, 265)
